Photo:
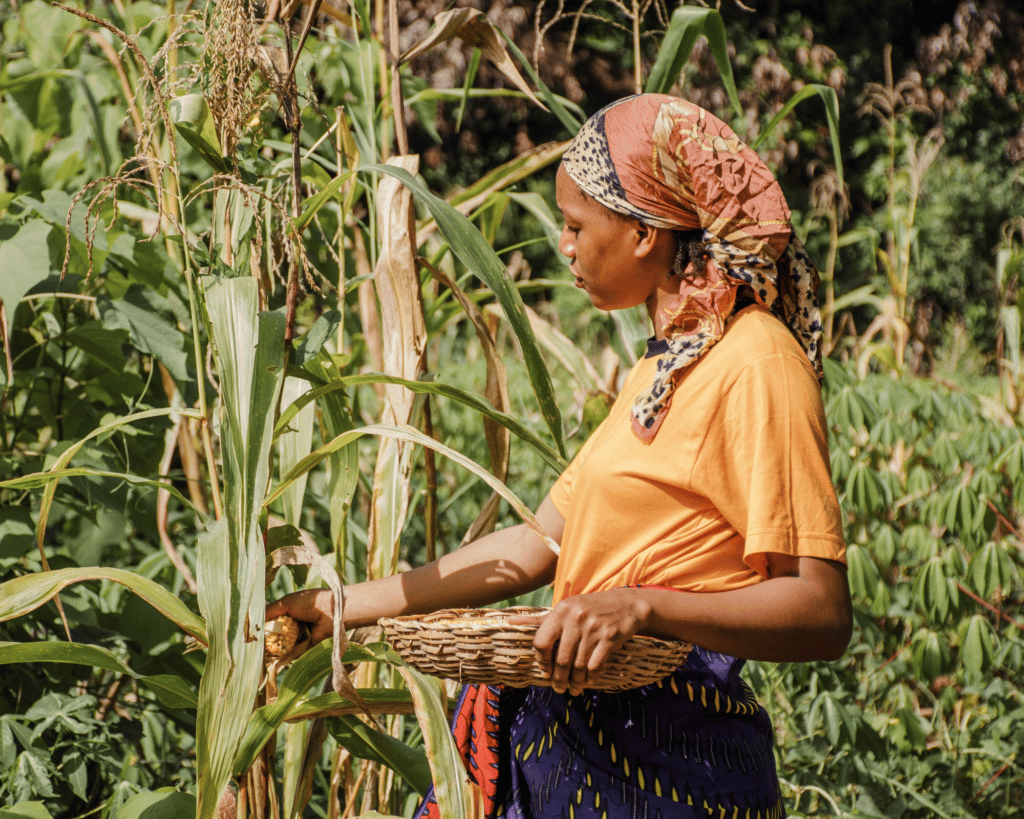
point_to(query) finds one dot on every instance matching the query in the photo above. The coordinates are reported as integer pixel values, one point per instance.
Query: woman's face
(603, 249)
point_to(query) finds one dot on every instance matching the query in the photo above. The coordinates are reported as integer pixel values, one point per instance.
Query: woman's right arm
(500, 565)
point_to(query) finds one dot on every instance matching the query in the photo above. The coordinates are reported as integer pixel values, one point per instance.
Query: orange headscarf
(671, 164)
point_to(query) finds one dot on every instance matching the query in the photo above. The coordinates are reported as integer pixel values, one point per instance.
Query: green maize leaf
(378, 700)
(308, 670)
(554, 460)
(172, 691)
(312, 205)
(343, 465)
(830, 101)
(366, 743)
(294, 443)
(38, 480)
(457, 797)
(191, 116)
(404, 433)
(28, 592)
(51, 488)
(537, 206)
(688, 23)
(515, 170)
(249, 351)
(472, 249)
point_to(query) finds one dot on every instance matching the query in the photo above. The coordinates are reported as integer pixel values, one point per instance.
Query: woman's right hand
(314, 607)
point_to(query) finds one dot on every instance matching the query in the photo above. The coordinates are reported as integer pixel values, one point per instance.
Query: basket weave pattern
(481, 646)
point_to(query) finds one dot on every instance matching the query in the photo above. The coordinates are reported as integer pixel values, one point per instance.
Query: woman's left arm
(802, 613)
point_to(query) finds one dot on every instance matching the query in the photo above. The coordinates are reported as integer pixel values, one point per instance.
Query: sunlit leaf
(830, 100)
(249, 351)
(472, 249)
(686, 25)
(26, 593)
(170, 690)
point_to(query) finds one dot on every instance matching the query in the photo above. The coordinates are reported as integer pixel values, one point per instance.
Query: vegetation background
(206, 264)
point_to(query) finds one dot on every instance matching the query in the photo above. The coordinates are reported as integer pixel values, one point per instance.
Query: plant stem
(397, 105)
(637, 79)
(430, 504)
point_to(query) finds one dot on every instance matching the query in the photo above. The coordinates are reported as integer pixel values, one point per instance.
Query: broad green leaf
(28, 592)
(930, 655)
(165, 803)
(102, 345)
(991, 569)
(25, 262)
(151, 324)
(15, 531)
(249, 351)
(191, 116)
(472, 249)
(830, 101)
(456, 796)
(294, 443)
(26, 810)
(687, 23)
(364, 742)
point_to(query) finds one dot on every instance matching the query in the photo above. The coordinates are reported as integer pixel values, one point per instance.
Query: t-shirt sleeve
(767, 463)
(561, 491)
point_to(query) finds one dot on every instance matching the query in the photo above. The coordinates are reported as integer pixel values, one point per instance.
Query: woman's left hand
(581, 632)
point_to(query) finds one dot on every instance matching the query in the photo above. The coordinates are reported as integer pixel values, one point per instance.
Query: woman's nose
(566, 244)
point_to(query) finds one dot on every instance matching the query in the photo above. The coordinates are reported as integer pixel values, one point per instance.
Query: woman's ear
(655, 244)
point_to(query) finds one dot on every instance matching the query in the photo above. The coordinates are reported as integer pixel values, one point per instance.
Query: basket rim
(446, 619)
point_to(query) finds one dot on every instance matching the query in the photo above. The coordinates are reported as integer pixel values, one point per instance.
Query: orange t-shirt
(739, 468)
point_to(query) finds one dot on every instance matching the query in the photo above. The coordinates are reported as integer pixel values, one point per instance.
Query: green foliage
(133, 382)
(929, 484)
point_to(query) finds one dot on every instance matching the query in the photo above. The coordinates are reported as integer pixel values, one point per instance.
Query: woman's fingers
(312, 606)
(580, 633)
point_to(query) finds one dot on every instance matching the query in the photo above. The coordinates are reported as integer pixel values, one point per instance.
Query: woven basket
(480, 646)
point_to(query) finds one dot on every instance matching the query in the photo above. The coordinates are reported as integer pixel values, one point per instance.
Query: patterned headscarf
(671, 164)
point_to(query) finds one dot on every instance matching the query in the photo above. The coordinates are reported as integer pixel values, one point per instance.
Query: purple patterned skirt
(695, 744)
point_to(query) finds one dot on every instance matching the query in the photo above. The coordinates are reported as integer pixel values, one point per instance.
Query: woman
(701, 510)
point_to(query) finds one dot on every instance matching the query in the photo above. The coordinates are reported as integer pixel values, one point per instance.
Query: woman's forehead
(572, 200)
